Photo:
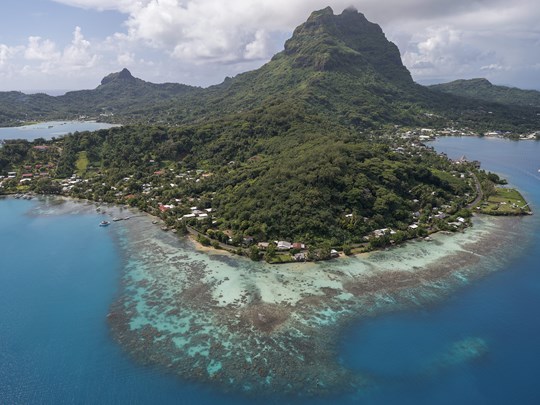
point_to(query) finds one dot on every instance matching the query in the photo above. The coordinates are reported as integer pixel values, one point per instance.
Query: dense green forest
(305, 182)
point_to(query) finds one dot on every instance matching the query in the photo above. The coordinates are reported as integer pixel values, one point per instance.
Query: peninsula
(312, 154)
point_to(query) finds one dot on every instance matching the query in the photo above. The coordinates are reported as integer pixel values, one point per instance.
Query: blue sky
(20, 19)
(71, 44)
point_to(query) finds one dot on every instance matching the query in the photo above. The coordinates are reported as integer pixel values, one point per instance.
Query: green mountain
(340, 67)
(121, 93)
(482, 89)
(294, 150)
(118, 94)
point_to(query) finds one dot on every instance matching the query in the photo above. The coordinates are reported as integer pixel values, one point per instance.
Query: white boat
(104, 223)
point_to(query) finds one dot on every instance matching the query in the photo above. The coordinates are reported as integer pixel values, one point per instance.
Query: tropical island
(325, 150)
(320, 151)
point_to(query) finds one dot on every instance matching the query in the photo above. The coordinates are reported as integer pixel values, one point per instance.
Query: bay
(50, 129)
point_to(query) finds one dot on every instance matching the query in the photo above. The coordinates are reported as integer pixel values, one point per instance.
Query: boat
(116, 219)
(104, 223)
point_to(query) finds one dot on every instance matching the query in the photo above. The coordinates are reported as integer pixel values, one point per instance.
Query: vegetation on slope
(340, 67)
(483, 90)
(296, 150)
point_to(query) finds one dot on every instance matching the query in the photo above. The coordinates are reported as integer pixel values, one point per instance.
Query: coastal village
(162, 192)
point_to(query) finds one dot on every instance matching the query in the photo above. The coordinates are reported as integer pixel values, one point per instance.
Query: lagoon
(50, 129)
(62, 277)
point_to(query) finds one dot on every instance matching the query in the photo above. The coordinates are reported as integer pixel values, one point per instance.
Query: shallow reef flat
(263, 329)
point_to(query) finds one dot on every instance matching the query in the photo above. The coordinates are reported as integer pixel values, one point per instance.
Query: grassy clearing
(82, 163)
(454, 180)
(282, 258)
(505, 201)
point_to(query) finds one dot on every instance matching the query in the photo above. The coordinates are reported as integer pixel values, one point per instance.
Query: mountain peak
(345, 42)
(321, 13)
(482, 81)
(123, 76)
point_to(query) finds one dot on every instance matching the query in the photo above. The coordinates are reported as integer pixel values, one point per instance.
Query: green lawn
(282, 258)
(82, 163)
(505, 201)
(449, 177)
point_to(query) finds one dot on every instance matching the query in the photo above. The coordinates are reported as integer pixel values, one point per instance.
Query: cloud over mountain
(202, 41)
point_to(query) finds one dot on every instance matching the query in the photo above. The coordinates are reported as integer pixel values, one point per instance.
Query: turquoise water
(60, 273)
(58, 278)
(48, 130)
(406, 351)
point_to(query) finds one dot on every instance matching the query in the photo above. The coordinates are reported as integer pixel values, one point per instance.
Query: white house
(283, 245)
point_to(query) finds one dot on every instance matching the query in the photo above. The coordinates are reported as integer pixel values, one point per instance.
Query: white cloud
(210, 30)
(76, 56)
(257, 48)
(79, 54)
(434, 49)
(201, 41)
(41, 49)
(443, 53)
(436, 37)
(126, 59)
(120, 5)
(6, 53)
(493, 66)
(42, 60)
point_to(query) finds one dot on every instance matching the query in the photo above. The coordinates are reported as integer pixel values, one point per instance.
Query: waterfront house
(284, 245)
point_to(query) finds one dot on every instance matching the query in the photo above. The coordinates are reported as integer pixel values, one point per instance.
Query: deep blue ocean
(60, 274)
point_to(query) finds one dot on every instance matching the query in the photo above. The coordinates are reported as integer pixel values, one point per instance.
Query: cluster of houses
(427, 134)
(282, 245)
(500, 134)
(69, 183)
(298, 249)
(30, 172)
(198, 213)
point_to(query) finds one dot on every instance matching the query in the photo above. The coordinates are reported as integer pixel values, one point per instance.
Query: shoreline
(220, 311)
(260, 329)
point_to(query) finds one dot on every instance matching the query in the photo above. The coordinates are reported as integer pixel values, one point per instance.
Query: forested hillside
(304, 148)
(483, 90)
